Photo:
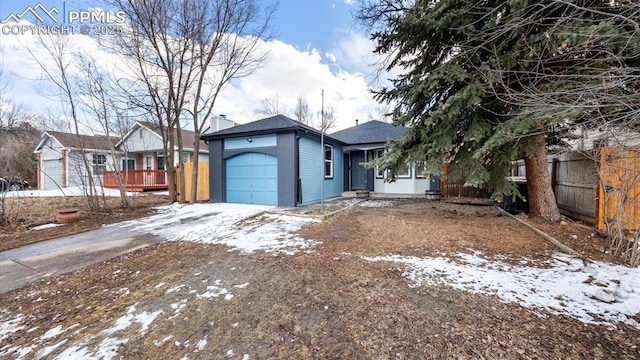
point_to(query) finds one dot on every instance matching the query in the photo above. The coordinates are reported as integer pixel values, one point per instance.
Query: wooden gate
(202, 193)
(619, 193)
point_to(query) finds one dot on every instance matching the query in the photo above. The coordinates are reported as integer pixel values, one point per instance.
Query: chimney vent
(356, 122)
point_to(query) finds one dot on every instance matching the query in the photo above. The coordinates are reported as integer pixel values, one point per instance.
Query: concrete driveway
(25, 265)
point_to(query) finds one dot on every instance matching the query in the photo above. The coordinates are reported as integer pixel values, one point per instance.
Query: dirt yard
(186, 300)
(26, 213)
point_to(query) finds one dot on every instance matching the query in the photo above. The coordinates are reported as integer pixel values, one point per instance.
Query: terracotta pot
(66, 216)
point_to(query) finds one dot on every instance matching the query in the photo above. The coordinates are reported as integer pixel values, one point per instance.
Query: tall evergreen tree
(485, 82)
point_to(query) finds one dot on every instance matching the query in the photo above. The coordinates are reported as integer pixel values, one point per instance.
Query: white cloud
(355, 53)
(288, 72)
(332, 58)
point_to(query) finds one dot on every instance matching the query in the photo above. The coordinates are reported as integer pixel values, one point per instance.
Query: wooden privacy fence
(574, 179)
(457, 188)
(619, 194)
(202, 193)
(577, 180)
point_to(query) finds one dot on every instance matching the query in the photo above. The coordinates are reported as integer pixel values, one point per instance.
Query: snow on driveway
(561, 285)
(247, 228)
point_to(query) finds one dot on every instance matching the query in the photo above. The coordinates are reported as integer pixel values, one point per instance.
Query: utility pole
(322, 162)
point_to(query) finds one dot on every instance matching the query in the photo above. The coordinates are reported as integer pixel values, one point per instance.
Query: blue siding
(311, 169)
(256, 142)
(252, 178)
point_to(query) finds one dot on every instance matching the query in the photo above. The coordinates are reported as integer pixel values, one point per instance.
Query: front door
(358, 171)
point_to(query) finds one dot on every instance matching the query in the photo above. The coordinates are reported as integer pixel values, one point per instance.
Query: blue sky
(302, 23)
(313, 22)
(316, 46)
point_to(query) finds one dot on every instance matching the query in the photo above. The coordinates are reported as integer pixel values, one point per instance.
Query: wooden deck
(136, 180)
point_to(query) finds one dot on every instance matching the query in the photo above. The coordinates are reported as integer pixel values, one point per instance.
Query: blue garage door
(252, 178)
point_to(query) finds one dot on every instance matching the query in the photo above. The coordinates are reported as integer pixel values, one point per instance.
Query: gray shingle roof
(270, 124)
(373, 131)
(94, 142)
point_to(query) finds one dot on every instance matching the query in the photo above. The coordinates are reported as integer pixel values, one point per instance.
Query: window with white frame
(404, 172)
(379, 170)
(421, 170)
(328, 161)
(99, 162)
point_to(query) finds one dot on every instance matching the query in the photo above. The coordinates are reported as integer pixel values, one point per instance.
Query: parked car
(14, 184)
(4, 184)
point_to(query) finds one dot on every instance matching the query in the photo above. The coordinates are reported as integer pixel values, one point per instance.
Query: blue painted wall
(311, 168)
(250, 142)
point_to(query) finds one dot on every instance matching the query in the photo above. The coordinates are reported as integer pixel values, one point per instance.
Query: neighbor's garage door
(51, 174)
(252, 178)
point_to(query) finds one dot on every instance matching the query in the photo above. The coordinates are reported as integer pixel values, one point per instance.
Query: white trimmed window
(379, 170)
(421, 169)
(405, 172)
(328, 161)
(99, 162)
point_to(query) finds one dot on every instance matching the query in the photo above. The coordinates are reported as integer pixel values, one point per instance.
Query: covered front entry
(252, 178)
(359, 177)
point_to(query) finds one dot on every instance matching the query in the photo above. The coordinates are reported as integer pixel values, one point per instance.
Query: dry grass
(27, 212)
(327, 305)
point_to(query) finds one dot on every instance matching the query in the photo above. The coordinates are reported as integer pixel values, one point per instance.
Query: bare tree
(185, 53)
(302, 111)
(78, 89)
(98, 90)
(271, 106)
(326, 119)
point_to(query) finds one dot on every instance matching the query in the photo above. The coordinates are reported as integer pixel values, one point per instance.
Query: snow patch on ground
(376, 203)
(105, 342)
(247, 228)
(45, 226)
(563, 285)
(9, 327)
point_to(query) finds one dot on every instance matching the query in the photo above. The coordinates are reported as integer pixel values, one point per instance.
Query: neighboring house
(279, 161)
(139, 156)
(60, 159)
(142, 148)
(586, 139)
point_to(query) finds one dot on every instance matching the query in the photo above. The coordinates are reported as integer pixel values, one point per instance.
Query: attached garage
(252, 178)
(261, 163)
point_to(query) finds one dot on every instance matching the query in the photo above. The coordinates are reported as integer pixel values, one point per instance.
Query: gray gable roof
(93, 142)
(373, 131)
(272, 124)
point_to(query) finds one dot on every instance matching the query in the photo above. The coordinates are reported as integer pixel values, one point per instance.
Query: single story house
(280, 161)
(61, 156)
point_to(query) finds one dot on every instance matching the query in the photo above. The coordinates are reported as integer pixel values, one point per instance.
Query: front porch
(136, 180)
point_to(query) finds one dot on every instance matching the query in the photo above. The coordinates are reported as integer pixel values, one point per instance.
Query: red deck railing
(136, 180)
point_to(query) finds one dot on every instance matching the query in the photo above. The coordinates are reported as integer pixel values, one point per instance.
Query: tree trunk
(542, 202)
